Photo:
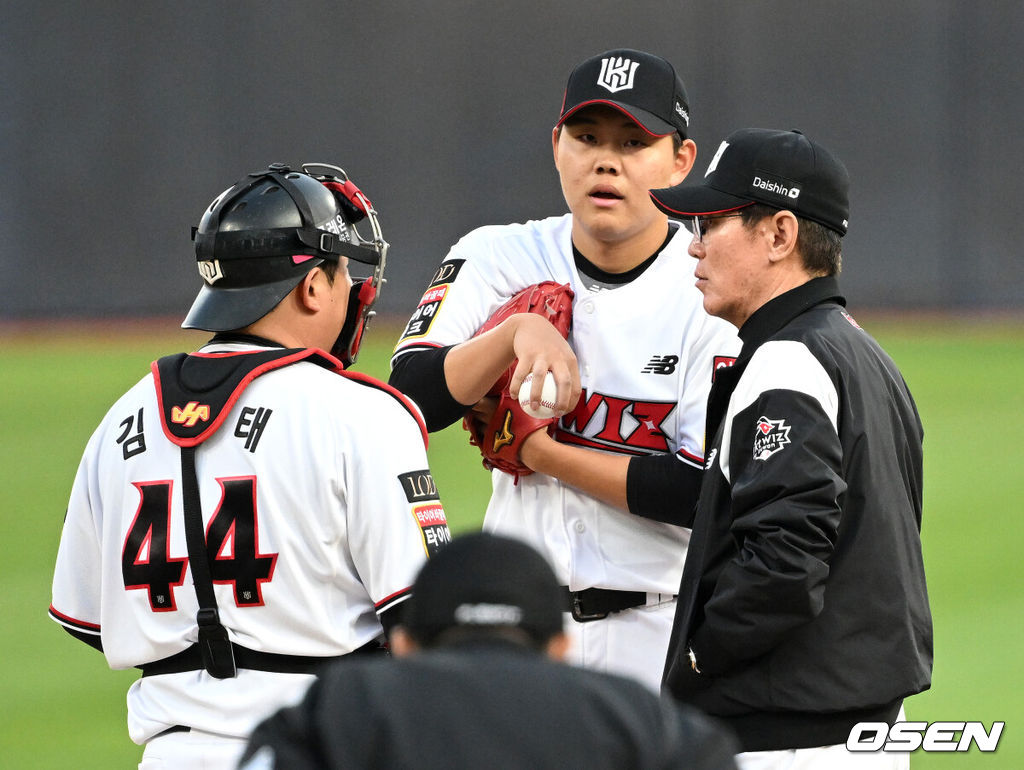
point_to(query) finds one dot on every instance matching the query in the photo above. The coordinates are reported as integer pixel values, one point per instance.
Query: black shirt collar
(592, 271)
(780, 310)
(247, 339)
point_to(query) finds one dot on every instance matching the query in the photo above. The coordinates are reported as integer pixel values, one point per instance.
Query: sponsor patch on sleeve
(433, 298)
(418, 486)
(433, 527)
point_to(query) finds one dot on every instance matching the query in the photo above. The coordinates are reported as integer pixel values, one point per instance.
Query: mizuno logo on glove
(504, 437)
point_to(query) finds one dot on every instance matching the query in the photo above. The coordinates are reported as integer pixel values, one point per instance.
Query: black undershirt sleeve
(663, 488)
(391, 617)
(93, 640)
(420, 376)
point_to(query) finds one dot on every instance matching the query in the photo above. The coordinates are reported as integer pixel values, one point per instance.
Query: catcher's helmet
(259, 238)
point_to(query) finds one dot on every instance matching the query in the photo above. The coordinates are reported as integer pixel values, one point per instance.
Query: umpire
(803, 608)
(480, 683)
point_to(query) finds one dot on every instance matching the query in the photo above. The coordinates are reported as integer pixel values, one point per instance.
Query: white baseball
(548, 396)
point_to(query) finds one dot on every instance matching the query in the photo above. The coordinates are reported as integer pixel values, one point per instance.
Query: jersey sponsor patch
(433, 298)
(721, 362)
(433, 527)
(447, 272)
(770, 436)
(426, 311)
(418, 486)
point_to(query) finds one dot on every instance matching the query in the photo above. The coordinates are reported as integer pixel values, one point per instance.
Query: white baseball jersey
(647, 352)
(319, 509)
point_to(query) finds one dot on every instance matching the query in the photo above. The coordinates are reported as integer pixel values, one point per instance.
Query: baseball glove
(500, 439)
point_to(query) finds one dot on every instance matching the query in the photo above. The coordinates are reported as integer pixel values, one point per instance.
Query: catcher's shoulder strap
(195, 391)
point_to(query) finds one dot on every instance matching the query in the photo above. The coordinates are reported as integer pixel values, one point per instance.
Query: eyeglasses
(699, 224)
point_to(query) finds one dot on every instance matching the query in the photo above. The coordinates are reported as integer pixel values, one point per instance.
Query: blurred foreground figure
(480, 683)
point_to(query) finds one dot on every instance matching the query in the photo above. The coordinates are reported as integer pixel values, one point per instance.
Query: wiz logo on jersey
(609, 422)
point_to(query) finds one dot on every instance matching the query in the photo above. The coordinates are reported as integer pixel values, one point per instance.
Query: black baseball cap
(643, 86)
(482, 580)
(783, 169)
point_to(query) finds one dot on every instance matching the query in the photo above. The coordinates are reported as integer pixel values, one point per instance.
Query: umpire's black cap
(485, 580)
(783, 169)
(643, 86)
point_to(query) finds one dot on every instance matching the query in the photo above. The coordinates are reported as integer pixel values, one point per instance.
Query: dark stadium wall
(122, 121)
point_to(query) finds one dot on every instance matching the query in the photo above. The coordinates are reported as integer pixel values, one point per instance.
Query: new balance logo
(192, 413)
(661, 365)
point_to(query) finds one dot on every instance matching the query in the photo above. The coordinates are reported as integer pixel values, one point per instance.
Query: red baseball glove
(500, 439)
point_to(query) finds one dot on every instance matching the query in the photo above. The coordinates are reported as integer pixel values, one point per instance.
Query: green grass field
(63, 707)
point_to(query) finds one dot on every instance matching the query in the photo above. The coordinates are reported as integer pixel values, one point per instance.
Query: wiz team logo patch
(192, 413)
(770, 436)
(617, 73)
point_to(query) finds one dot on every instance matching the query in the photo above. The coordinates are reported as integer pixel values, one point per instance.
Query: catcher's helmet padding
(259, 238)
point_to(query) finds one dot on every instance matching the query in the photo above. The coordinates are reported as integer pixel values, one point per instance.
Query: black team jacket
(803, 597)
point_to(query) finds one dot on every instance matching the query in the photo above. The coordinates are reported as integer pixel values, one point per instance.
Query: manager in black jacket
(803, 608)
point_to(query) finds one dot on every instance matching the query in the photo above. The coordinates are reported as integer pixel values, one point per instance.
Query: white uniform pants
(822, 758)
(192, 750)
(825, 757)
(630, 643)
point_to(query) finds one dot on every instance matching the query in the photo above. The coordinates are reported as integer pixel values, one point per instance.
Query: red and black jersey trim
(690, 458)
(82, 626)
(392, 601)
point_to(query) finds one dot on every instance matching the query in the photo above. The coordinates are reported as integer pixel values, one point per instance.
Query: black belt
(191, 659)
(598, 603)
(173, 729)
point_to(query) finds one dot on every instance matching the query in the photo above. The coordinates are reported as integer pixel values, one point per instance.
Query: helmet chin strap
(365, 291)
(361, 297)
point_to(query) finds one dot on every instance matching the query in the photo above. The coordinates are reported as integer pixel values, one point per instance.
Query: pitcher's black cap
(783, 169)
(643, 86)
(482, 579)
